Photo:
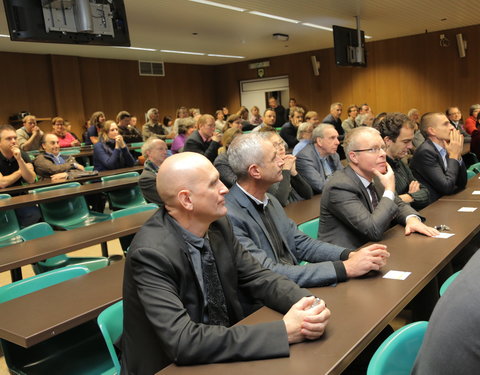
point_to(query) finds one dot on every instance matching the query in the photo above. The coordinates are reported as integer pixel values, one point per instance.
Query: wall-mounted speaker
(315, 66)
(461, 45)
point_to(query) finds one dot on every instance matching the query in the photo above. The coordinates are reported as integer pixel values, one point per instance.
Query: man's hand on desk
(304, 322)
(413, 224)
(366, 259)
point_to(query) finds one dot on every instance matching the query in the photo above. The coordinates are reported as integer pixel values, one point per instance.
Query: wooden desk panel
(303, 211)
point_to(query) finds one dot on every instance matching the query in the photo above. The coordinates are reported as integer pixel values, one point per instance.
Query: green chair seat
(133, 210)
(70, 213)
(110, 322)
(127, 197)
(397, 354)
(89, 168)
(9, 226)
(475, 168)
(447, 282)
(310, 228)
(67, 151)
(470, 174)
(136, 144)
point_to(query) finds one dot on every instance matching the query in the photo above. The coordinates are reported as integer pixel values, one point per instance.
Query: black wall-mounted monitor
(95, 22)
(348, 52)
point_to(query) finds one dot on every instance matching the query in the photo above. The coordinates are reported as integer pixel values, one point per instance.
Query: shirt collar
(257, 201)
(364, 181)
(440, 149)
(188, 236)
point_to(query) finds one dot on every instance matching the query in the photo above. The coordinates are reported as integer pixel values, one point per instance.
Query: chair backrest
(110, 322)
(70, 151)
(475, 168)
(44, 280)
(310, 228)
(133, 210)
(8, 221)
(119, 176)
(471, 174)
(447, 282)
(398, 352)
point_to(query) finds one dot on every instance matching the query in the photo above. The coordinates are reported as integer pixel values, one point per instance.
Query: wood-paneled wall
(402, 73)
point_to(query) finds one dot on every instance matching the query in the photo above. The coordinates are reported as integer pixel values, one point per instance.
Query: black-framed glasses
(373, 150)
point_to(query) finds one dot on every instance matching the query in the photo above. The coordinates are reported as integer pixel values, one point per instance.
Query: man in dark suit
(319, 159)
(279, 111)
(154, 151)
(354, 208)
(205, 140)
(183, 276)
(262, 227)
(290, 128)
(334, 119)
(437, 163)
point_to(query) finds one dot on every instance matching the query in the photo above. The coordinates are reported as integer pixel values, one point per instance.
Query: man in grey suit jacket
(319, 159)
(183, 275)
(262, 227)
(354, 208)
(437, 163)
(154, 151)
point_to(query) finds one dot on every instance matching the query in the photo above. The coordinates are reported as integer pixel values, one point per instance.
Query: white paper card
(467, 209)
(476, 192)
(444, 235)
(396, 275)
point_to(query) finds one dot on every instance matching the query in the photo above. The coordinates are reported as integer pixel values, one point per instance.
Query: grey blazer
(248, 227)
(347, 215)
(311, 169)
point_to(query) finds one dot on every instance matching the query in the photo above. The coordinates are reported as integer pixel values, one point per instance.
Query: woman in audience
(219, 121)
(233, 121)
(349, 123)
(65, 139)
(168, 123)
(225, 112)
(255, 118)
(111, 152)
(471, 122)
(221, 162)
(304, 136)
(186, 126)
(312, 118)
(243, 113)
(96, 124)
(182, 112)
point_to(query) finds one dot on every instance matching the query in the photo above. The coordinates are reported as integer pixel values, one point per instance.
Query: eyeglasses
(373, 150)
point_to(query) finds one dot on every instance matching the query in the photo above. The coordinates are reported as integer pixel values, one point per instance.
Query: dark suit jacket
(148, 186)
(195, 143)
(163, 302)
(253, 235)
(347, 216)
(428, 168)
(311, 168)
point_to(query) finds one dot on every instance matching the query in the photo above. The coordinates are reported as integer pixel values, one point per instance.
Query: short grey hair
(147, 146)
(473, 108)
(302, 128)
(245, 150)
(360, 119)
(333, 105)
(319, 131)
(150, 112)
(350, 142)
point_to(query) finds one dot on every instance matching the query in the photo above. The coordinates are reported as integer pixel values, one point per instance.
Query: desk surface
(303, 211)
(361, 308)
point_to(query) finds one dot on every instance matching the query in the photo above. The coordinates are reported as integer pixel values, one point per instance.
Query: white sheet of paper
(467, 209)
(396, 275)
(476, 192)
(444, 235)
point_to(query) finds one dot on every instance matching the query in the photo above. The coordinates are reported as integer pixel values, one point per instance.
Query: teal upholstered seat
(110, 322)
(125, 197)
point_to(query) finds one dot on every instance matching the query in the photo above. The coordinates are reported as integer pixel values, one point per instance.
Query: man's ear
(387, 140)
(254, 172)
(185, 200)
(353, 157)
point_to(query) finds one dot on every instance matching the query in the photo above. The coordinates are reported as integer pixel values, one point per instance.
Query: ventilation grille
(150, 68)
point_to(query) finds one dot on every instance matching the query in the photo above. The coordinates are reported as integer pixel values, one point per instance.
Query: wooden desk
(361, 308)
(48, 196)
(465, 196)
(38, 316)
(303, 211)
(47, 182)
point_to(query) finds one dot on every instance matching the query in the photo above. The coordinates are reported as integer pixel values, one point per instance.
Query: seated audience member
(280, 116)
(194, 112)
(289, 129)
(51, 164)
(219, 122)
(186, 126)
(396, 129)
(65, 139)
(291, 103)
(364, 108)
(133, 121)
(168, 123)
(312, 118)
(205, 140)
(111, 152)
(15, 169)
(127, 131)
(96, 124)
(365, 119)
(437, 163)
(450, 343)
(262, 227)
(233, 121)
(349, 123)
(29, 136)
(269, 117)
(454, 115)
(68, 127)
(182, 112)
(227, 176)
(183, 276)
(334, 119)
(255, 118)
(292, 187)
(319, 159)
(304, 136)
(475, 140)
(153, 128)
(243, 113)
(355, 208)
(471, 122)
(414, 116)
(225, 112)
(154, 151)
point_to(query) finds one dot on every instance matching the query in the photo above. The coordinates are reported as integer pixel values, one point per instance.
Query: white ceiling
(170, 24)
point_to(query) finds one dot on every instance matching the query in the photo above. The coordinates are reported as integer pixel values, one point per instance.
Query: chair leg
(104, 249)
(16, 274)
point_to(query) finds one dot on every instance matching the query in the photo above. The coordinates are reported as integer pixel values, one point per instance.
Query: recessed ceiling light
(4, 36)
(219, 5)
(273, 17)
(139, 48)
(368, 37)
(228, 56)
(317, 26)
(182, 52)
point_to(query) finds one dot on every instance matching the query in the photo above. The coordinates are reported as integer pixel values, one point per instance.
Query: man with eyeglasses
(454, 115)
(359, 202)
(205, 140)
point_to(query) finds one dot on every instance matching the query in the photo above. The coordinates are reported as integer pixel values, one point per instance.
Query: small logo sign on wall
(260, 73)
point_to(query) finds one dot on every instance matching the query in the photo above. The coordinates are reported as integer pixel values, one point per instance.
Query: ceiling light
(182, 52)
(274, 17)
(4, 36)
(139, 48)
(317, 26)
(228, 56)
(206, 2)
(368, 37)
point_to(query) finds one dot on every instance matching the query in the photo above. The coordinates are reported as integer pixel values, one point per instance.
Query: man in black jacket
(205, 140)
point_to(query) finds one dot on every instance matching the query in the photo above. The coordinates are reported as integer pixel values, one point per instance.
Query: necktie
(373, 194)
(216, 305)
